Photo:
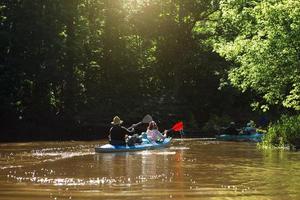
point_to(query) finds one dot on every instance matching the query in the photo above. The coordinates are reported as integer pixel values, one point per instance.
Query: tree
(262, 38)
(71, 64)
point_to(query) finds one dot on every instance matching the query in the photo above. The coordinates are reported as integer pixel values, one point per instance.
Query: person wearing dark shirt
(118, 133)
(231, 130)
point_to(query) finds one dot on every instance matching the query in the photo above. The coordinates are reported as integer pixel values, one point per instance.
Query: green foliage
(283, 133)
(80, 62)
(215, 123)
(262, 38)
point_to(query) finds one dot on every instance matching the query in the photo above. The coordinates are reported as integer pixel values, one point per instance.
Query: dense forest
(67, 67)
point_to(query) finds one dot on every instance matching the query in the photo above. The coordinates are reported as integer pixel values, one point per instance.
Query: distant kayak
(108, 148)
(256, 137)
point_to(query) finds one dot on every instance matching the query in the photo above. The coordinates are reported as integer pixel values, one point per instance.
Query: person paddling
(231, 129)
(153, 133)
(118, 133)
(250, 128)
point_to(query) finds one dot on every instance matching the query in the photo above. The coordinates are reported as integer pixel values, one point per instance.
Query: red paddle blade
(178, 126)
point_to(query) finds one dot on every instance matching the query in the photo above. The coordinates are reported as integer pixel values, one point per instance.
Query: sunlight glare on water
(188, 169)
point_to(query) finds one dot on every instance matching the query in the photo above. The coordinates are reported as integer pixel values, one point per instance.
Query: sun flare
(134, 5)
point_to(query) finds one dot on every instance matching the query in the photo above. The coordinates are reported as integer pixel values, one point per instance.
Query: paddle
(177, 127)
(145, 120)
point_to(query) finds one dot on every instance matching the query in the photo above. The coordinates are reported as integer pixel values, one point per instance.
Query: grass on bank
(283, 134)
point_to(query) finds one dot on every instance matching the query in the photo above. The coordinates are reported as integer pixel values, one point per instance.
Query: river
(188, 169)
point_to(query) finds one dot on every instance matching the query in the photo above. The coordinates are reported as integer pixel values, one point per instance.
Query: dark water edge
(65, 136)
(29, 133)
(56, 132)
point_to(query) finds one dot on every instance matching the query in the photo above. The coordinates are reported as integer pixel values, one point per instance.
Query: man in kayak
(231, 129)
(117, 133)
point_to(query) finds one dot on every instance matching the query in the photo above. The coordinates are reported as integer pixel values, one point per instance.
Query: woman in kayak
(118, 133)
(153, 133)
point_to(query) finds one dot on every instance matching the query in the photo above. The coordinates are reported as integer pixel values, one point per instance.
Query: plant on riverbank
(283, 134)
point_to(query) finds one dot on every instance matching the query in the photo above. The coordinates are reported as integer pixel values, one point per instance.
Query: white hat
(116, 121)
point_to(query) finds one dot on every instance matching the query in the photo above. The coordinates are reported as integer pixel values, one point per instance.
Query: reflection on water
(189, 169)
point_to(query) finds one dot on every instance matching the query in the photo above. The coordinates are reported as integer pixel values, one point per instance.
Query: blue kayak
(108, 148)
(256, 137)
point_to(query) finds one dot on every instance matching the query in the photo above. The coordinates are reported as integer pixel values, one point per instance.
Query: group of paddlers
(248, 129)
(121, 136)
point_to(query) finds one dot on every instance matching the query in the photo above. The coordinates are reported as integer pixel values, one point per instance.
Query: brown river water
(188, 169)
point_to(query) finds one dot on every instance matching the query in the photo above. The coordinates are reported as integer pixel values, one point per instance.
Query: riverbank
(283, 134)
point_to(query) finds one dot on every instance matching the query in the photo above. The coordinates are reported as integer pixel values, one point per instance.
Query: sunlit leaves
(134, 6)
(2, 17)
(262, 38)
(293, 99)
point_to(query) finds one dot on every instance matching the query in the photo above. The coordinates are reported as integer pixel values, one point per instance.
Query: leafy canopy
(262, 38)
